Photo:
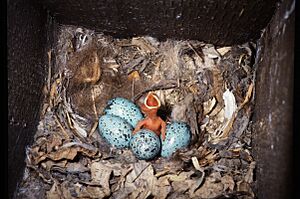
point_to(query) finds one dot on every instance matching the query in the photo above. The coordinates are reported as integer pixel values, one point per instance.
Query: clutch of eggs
(178, 135)
(122, 115)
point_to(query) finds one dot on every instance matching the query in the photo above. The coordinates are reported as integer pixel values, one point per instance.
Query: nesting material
(208, 87)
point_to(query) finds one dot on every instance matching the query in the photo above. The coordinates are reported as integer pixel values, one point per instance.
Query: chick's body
(152, 121)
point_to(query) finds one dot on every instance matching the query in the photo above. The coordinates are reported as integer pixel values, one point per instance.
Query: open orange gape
(152, 121)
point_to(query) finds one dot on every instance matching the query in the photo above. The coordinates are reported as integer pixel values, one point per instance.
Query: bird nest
(208, 87)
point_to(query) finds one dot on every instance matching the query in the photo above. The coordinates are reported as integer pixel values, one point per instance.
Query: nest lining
(208, 87)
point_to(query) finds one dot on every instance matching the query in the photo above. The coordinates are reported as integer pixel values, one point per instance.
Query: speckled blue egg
(125, 109)
(178, 135)
(115, 130)
(145, 144)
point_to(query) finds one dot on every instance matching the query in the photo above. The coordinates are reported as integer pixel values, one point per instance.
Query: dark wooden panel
(219, 22)
(274, 106)
(26, 38)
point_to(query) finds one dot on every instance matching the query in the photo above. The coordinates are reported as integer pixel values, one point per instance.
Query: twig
(61, 127)
(138, 175)
(69, 120)
(52, 92)
(82, 145)
(49, 70)
(94, 104)
(93, 129)
(133, 88)
(131, 65)
(232, 195)
(144, 65)
(196, 52)
(158, 86)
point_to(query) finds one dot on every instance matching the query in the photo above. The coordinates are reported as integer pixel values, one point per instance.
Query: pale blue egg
(145, 144)
(125, 109)
(178, 135)
(115, 130)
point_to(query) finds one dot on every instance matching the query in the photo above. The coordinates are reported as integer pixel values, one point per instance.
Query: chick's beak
(152, 101)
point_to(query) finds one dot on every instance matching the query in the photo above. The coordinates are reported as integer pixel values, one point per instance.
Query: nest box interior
(32, 31)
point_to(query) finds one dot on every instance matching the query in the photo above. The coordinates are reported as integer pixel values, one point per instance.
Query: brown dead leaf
(101, 174)
(69, 152)
(49, 164)
(53, 141)
(161, 173)
(138, 168)
(209, 158)
(190, 185)
(182, 186)
(142, 175)
(66, 153)
(91, 192)
(243, 186)
(54, 192)
(134, 76)
(228, 182)
(162, 188)
(223, 50)
(211, 188)
(209, 105)
(67, 190)
(249, 174)
(74, 167)
(143, 44)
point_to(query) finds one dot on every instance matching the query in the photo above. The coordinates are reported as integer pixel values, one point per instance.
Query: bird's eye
(80, 37)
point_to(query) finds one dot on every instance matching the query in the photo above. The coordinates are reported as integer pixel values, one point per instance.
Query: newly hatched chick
(152, 121)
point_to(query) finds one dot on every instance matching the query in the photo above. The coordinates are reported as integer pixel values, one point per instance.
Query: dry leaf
(209, 105)
(230, 104)
(81, 131)
(162, 188)
(134, 76)
(101, 174)
(211, 187)
(74, 167)
(54, 192)
(228, 182)
(211, 52)
(223, 50)
(143, 44)
(69, 151)
(53, 141)
(138, 168)
(92, 192)
(49, 164)
(65, 153)
(249, 174)
(243, 186)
